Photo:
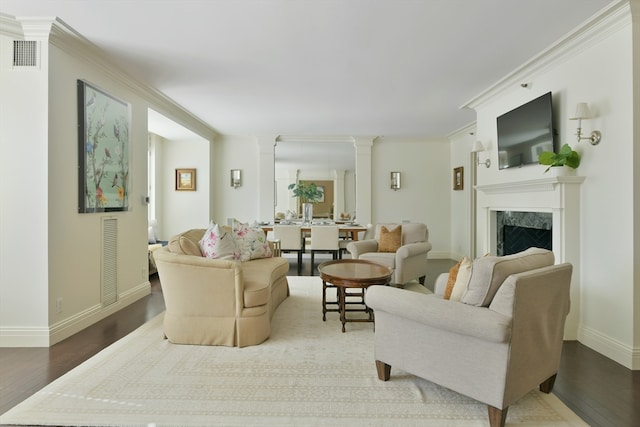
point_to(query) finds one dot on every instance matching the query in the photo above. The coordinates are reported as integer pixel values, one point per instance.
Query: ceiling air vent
(25, 53)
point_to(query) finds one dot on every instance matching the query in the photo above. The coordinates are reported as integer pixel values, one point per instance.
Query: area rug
(308, 373)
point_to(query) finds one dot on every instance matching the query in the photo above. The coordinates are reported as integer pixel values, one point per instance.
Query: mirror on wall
(331, 164)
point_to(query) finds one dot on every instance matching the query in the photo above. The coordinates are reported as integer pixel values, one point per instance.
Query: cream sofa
(218, 302)
(501, 340)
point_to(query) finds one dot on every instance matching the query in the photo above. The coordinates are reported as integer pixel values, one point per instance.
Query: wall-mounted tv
(524, 132)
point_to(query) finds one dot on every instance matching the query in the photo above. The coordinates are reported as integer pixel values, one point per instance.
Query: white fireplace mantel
(543, 184)
(558, 195)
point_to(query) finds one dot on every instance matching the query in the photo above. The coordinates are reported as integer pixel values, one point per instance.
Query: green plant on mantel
(565, 157)
(307, 193)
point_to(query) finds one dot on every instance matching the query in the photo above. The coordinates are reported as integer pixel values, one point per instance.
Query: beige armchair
(503, 342)
(408, 262)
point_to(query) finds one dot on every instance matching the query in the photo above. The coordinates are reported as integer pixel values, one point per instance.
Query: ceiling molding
(61, 35)
(601, 25)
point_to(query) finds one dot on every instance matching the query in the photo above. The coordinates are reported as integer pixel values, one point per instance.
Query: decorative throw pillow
(186, 243)
(216, 243)
(451, 280)
(252, 242)
(488, 273)
(462, 280)
(390, 241)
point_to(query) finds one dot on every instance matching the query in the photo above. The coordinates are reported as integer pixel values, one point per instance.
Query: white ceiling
(320, 67)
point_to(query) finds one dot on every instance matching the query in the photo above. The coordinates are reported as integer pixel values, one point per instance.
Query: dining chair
(290, 237)
(324, 238)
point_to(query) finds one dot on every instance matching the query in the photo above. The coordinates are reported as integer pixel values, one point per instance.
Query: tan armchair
(504, 342)
(408, 262)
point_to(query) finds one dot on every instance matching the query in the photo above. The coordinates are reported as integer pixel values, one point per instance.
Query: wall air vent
(25, 53)
(109, 261)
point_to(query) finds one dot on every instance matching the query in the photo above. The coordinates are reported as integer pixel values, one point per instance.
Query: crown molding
(10, 27)
(608, 20)
(61, 35)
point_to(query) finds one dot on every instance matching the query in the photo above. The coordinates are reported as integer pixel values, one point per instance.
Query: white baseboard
(625, 355)
(46, 337)
(439, 255)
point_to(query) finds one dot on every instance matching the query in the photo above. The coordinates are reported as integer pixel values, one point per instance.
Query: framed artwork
(185, 180)
(103, 150)
(321, 188)
(458, 178)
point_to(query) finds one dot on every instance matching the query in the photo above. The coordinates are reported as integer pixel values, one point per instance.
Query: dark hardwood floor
(602, 392)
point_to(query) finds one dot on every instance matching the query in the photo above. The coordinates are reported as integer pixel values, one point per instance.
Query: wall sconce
(478, 147)
(236, 178)
(583, 113)
(395, 180)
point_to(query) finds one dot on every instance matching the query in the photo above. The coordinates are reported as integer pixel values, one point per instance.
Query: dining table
(351, 230)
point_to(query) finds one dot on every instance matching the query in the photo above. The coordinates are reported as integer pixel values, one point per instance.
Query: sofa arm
(413, 249)
(428, 310)
(360, 247)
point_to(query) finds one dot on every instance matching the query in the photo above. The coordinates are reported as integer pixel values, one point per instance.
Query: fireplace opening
(518, 239)
(518, 231)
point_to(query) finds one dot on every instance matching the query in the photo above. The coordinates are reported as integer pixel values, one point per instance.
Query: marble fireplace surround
(559, 196)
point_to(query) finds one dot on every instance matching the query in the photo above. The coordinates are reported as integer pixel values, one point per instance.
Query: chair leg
(384, 370)
(497, 416)
(547, 385)
(299, 263)
(312, 258)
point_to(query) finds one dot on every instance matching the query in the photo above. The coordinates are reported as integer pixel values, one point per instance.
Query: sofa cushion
(186, 243)
(218, 243)
(489, 272)
(258, 276)
(252, 242)
(390, 239)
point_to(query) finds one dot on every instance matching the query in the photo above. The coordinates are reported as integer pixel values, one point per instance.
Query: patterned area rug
(307, 373)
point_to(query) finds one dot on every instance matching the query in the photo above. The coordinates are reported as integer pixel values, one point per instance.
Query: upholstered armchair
(401, 247)
(502, 339)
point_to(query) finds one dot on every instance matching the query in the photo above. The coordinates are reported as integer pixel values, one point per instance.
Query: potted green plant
(308, 193)
(565, 157)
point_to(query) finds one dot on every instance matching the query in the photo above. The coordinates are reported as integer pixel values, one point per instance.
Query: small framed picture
(185, 180)
(458, 178)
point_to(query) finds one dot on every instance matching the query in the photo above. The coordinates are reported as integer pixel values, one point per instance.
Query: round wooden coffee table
(351, 274)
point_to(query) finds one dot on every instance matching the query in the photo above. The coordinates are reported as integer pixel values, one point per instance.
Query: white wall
(426, 189)
(64, 255)
(24, 200)
(48, 250)
(236, 152)
(183, 210)
(461, 233)
(607, 217)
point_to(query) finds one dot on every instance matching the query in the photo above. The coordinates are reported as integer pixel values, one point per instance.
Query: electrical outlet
(59, 305)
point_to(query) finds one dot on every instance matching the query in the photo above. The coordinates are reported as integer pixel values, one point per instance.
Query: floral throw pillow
(252, 242)
(217, 243)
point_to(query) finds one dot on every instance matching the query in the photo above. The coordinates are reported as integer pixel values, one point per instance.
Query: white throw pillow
(216, 243)
(462, 280)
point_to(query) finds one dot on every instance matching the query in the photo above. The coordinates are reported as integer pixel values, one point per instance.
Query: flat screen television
(524, 132)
